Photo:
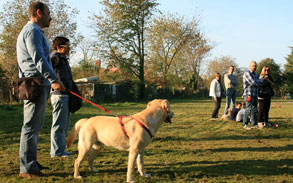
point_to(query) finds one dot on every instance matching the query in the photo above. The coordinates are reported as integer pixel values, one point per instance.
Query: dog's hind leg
(131, 162)
(84, 146)
(140, 164)
(96, 148)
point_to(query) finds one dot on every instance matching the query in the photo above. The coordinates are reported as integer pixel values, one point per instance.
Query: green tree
(121, 34)
(12, 20)
(15, 15)
(4, 91)
(288, 73)
(289, 64)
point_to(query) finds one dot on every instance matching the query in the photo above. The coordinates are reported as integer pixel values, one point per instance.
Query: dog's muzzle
(168, 118)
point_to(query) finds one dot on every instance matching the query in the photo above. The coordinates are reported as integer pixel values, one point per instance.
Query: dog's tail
(74, 131)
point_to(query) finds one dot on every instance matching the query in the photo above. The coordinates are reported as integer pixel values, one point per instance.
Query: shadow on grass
(253, 149)
(228, 168)
(232, 149)
(235, 137)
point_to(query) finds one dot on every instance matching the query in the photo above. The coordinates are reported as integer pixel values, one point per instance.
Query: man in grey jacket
(230, 84)
(34, 60)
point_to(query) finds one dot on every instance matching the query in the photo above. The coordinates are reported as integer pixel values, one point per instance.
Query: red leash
(109, 112)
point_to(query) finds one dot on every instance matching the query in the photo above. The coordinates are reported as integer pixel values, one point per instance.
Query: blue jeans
(250, 110)
(33, 120)
(230, 95)
(60, 124)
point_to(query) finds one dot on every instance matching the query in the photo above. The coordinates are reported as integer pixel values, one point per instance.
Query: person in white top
(216, 92)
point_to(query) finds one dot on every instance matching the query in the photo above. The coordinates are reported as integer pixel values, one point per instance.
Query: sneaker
(261, 125)
(31, 175)
(272, 125)
(275, 125)
(64, 155)
(214, 119)
(246, 127)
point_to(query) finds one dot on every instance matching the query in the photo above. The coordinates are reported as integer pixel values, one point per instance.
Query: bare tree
(220, 65)
(176, 49)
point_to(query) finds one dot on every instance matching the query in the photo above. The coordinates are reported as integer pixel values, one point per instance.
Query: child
(235, 111)
(241, 112)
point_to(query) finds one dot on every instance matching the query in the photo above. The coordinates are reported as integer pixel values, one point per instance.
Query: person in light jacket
(230, 84)
(216, 92)
(34, 61)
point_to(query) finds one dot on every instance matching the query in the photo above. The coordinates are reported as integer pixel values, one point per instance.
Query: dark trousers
(217, 107)
(264, 108)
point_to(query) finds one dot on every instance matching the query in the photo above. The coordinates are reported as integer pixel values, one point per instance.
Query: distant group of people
(34, 60)
(257, 93)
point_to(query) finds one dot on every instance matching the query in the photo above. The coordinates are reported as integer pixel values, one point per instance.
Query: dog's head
(165, 106)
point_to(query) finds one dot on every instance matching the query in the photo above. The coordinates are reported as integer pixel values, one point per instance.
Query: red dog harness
(139, 122)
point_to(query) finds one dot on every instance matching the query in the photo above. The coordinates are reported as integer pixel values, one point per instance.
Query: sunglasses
(267, 69)
(65, 46)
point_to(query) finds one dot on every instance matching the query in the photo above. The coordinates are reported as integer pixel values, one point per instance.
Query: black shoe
(41, 167)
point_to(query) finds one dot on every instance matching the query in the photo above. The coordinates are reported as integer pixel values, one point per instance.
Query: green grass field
(191, 149)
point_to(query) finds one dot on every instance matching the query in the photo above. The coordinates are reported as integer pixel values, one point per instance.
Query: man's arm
(35, 48)
(248, 78)
(235, 81)
(227, 80)
(213, 90)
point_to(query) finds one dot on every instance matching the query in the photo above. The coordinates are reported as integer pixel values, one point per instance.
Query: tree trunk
(141, 86)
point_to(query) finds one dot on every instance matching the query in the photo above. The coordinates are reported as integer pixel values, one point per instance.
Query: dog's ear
(149, 104)
(165, 105)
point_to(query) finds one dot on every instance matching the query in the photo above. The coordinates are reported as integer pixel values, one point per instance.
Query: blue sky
(243, 29)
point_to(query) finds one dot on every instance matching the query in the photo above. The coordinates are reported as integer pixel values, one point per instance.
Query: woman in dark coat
(264, 97)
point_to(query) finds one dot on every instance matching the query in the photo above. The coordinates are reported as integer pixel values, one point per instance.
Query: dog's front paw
(78, 177)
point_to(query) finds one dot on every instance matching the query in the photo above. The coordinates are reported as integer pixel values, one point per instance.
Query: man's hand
(58, 85)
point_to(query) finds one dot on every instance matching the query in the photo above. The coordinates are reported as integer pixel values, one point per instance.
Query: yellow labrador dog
(131, 133)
